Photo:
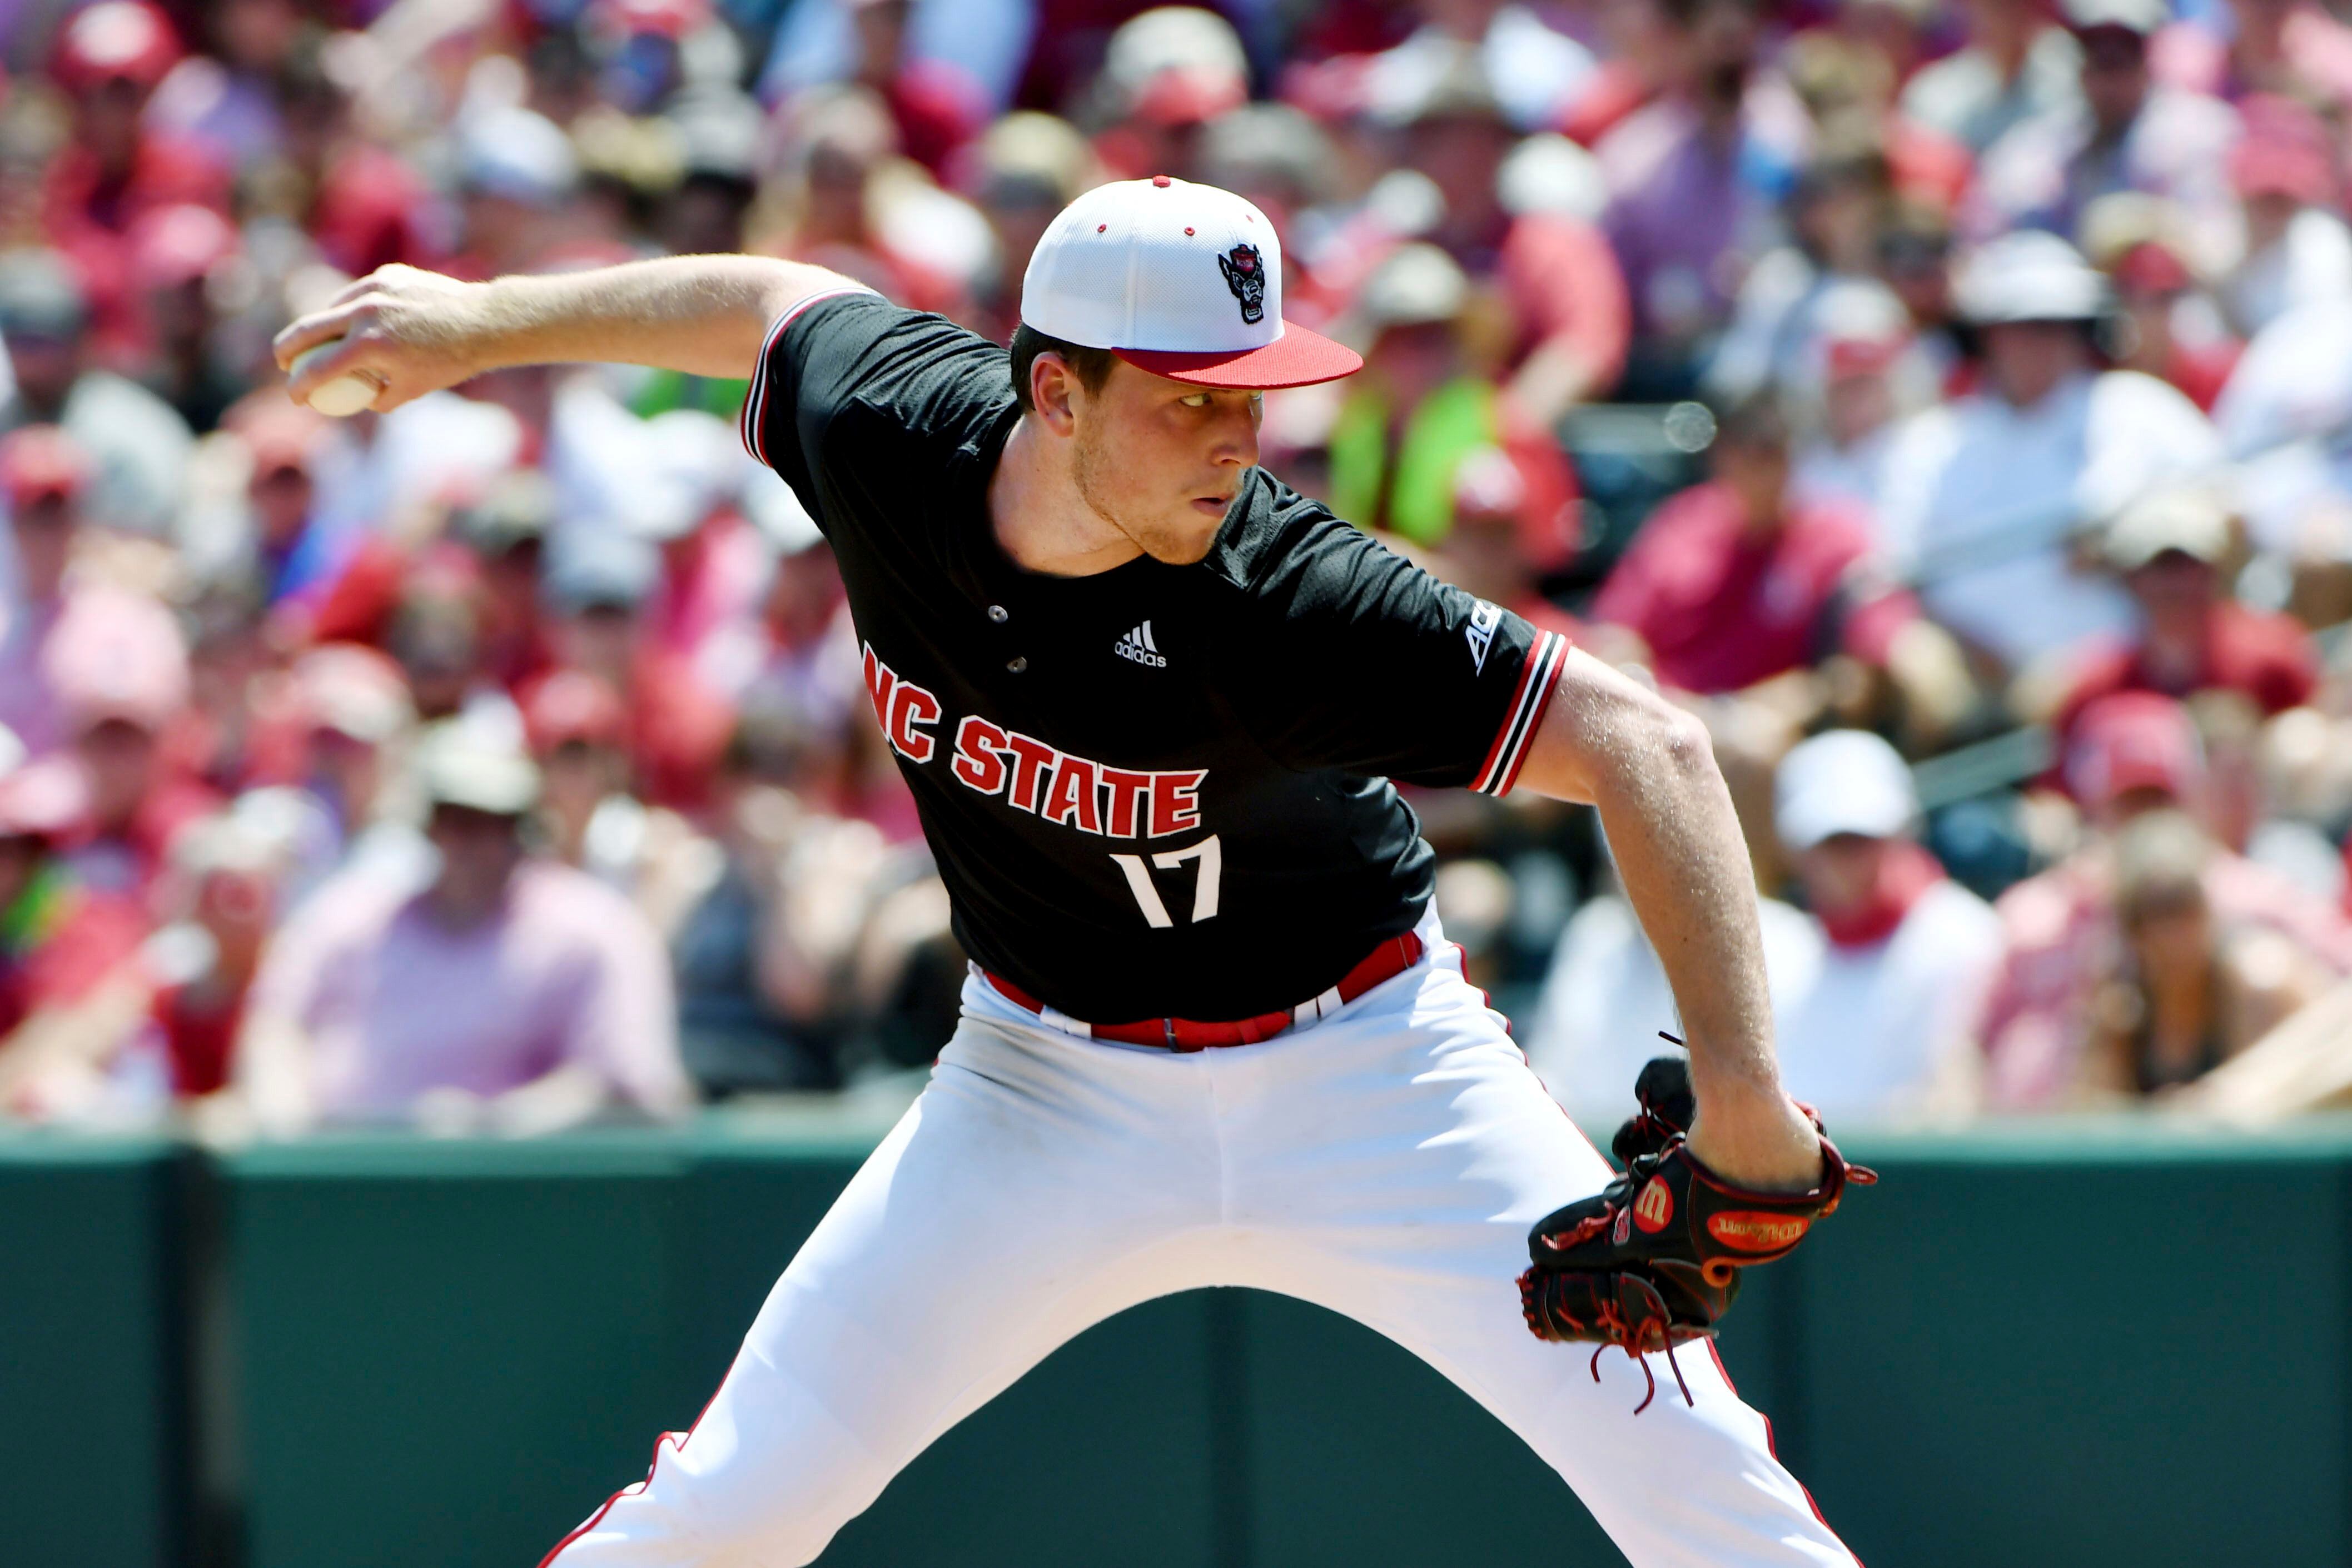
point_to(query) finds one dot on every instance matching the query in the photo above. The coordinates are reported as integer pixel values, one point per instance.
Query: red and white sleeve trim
(753, 421)
(1538, 676)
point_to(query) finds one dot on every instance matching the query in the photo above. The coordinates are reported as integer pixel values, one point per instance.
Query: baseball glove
(1652, 1260)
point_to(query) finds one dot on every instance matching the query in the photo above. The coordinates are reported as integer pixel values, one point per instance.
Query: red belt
(1390, 958)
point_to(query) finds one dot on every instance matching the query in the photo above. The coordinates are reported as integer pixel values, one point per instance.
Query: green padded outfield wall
(92, 1360)
(440, 1346)
(2104, 1347)
(2064, 1345)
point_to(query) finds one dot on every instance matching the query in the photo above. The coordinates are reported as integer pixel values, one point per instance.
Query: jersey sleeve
(848, 347)
(1388, 670)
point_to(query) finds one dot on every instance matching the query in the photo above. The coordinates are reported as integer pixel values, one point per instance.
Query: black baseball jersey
(1157, 791)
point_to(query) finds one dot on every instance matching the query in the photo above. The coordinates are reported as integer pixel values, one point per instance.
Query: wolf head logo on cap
(1245, 276)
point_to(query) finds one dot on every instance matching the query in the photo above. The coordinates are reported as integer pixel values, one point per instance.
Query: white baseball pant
(1385, 1162)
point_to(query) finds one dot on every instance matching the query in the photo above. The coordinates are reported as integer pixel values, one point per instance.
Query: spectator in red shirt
(599, 590)
(2174, 333)
(1728, 584)
(367, 206)
(936, 107)
(2193, 636)
(1499, 548)
(230, 876)
(2131, 753)
(116, 169)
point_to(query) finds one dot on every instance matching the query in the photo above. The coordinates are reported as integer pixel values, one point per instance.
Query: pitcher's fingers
(318, 327)
(358, 288)
(348, 358)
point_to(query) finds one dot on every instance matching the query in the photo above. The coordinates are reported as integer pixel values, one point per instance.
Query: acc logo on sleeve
(1484, 619)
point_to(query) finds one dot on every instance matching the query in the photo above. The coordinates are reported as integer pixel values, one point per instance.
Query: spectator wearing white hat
(567, 1006)
(1985, 495)
(1166, 75)
(517, 173)
(1882, 1031)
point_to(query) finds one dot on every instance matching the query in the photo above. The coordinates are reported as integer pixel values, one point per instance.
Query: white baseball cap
(2184, 518)
(1844, 781)
(2031, 275)
(1180, 280)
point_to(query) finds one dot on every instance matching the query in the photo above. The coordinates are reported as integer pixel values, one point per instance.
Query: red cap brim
(1297, 359)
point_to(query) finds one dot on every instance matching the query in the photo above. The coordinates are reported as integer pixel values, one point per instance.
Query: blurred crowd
(1949, 400)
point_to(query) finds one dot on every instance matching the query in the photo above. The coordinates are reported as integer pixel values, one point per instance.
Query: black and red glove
(1652, 1260)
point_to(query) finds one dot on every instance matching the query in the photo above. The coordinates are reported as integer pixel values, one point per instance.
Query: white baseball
(345, 396)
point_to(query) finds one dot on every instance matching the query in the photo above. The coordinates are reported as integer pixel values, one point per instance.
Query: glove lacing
(1633, 1337)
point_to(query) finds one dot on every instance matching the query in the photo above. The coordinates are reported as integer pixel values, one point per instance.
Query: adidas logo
(1138, 647)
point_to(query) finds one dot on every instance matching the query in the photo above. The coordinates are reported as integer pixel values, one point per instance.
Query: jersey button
(1018, 665)
(997, 613)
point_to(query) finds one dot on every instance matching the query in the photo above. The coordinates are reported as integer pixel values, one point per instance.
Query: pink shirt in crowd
(2061, 939)
(394, 1004)
(1721, 609)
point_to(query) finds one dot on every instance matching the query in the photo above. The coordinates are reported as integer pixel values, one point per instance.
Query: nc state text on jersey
(1032, 776)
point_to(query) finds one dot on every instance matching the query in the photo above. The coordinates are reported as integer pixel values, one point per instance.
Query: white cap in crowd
(2031, 275)
(1845, 781)
(463, 766)
(1180, 280)
(2184, 518)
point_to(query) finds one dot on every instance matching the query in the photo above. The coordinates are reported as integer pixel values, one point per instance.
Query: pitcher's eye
(1196, 400)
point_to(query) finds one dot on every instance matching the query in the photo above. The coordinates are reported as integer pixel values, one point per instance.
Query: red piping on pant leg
(1462, 966)
(1463, 961)
(1773, 1448)
(634, 1487)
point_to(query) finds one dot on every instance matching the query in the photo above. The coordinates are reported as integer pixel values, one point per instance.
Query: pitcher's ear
(1053, 384)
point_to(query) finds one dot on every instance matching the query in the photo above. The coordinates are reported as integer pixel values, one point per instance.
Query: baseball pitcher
(1150, 702)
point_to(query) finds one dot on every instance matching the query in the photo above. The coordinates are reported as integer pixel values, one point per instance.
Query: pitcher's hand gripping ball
(347, 395)
(1652, 1260)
